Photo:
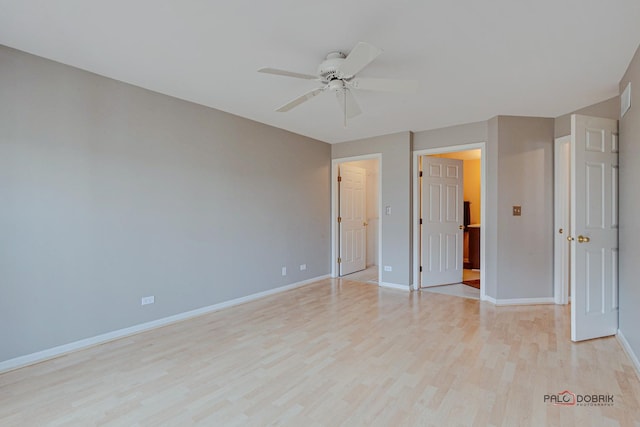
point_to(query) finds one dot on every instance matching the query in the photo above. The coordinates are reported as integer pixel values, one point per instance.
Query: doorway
(470, 254)
(356, 226)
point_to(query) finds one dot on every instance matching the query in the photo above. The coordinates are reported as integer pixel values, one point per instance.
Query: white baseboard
(488, 298)
(395, 286)
(50, 353)
(627, 348)
(520, 301)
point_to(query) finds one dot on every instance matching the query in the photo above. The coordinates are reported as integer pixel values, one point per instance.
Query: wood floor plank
(337, 352)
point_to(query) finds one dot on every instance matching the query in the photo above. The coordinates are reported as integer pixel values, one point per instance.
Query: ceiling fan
(338, 72)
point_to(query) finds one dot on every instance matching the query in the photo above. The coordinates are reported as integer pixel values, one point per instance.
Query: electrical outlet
(388, 268)
(147, 300)
(303, 267)
(284, 271)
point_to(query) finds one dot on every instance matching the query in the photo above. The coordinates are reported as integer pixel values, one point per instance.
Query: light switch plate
(517, 211)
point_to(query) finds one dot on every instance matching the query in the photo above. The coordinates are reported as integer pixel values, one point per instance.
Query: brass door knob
(365, 223)
(461, 227)
(583, 239)
(569, 238)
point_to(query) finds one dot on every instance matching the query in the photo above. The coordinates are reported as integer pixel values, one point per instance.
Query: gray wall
(490, 221)
(109, 193)
(525, 178)
(449, 136)
(396, 192)
(609, 109)
(629, 268)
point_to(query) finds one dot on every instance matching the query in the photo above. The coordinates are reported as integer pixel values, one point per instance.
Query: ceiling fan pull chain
(345, 107)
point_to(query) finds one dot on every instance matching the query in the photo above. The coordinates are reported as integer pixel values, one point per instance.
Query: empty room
(365, 213)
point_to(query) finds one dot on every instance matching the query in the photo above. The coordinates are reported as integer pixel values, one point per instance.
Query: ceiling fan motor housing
(328, 70)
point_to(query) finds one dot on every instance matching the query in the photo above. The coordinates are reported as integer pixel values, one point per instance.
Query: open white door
(442, 221)
(352, 219)
(594, 227)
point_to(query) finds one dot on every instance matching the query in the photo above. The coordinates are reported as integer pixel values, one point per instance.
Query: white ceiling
(474, 59)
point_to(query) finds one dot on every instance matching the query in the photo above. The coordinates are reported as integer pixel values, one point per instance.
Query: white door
(352, 219)
(594, 227)
(442, 221)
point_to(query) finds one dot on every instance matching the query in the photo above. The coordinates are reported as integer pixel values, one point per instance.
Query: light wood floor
(369, 275)
(334, 353)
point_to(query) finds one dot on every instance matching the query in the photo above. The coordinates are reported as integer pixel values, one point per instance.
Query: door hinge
(420, 269)
(420, 174)
(339, 260)
(339, 219)
(420, 221)
(339, 178)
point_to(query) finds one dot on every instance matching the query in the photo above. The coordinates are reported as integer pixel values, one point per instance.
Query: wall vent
(625, 100)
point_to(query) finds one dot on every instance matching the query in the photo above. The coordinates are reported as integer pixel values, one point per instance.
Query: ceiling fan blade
(385, 85)
(299, 100)
(287, 73)
(361, 55)
(349, 105)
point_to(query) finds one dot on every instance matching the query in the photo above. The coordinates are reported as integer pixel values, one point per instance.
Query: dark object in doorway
(473, 283)
(467, 214)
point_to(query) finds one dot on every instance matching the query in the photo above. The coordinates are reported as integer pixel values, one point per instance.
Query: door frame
(335, 230)
(562, 194)
(416, 207)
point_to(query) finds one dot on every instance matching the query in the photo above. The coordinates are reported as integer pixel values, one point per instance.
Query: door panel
(594, 195)
(452, 204)
(595, 264)
(442, 216)
(352, 208)
(594, 227)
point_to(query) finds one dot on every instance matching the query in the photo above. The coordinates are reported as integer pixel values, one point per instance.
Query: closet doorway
(356, 224)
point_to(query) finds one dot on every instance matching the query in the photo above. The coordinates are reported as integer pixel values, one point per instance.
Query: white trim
(561, 213)
(50, 353)
(334, 208)
(405, 288)
(483, 208)
(525, 301)
(627, 348)
(492, 300)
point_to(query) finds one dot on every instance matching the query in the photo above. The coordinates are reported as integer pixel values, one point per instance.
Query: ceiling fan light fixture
(336, 85)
